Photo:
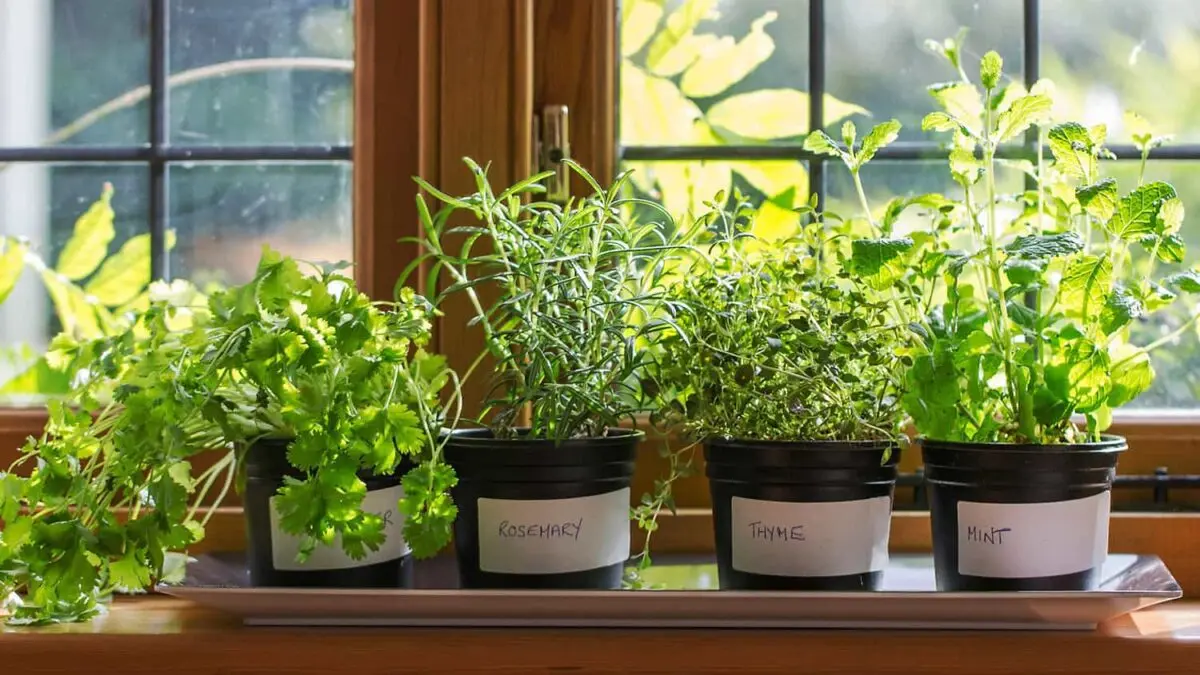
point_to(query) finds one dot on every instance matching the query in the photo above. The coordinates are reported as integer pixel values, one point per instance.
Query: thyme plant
(781, 340)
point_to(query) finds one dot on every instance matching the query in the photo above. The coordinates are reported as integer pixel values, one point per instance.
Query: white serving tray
(908, 601)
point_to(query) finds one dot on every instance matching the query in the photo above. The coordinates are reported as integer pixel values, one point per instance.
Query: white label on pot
(553, 536)
(385, 503)
(1020, 541)
(817, 539)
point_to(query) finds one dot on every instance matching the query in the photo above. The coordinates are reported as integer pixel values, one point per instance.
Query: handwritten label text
(987, 535)
(761, 530)
(567, 530)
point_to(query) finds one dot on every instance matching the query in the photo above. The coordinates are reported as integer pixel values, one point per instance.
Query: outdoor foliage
(679, 86)
(95, 292)
(288, 355)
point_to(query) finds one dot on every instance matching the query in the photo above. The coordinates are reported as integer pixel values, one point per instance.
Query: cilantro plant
(1026, 300)
(305, 358)
(780, 340)
(565, 296)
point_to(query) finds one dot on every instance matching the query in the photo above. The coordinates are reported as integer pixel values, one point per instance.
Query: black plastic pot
(1010, 517)
(535, 515)
(801, 515)
(271, 552)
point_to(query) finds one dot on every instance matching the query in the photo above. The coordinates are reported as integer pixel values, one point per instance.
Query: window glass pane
(1176, 364)
(95, 266)
(877, 59)
(223, 214)
(1126, 55)
(261, 72)
(737, 73)
(62, 61)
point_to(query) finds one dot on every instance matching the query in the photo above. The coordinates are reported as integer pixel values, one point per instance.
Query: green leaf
(639, 20)
(724, 66)
(1073, 150)
(181, 473)
(961, 102)
(75, 312)
(1184, 282)
(1132, 375)
(12, 263)
(1137, 212)
(991, 67)
(880, 136)
(820, 142)
(1024, 112)
(1100, 199)
(1120, 308)
(1079, 374)
(939, 121)
(680, 24)
(1170, 215)
(1085, 285)
(769, 114)
(1021, 272)
(1171, 248)
(689, 50)
(1041, 246)
(124, 275)
(128, 573)
(88, 244)
(879, 261)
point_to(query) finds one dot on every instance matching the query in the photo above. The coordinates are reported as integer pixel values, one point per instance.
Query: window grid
(160, 153)
(902, 151)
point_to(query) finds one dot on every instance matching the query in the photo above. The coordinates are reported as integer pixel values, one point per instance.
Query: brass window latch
(552, 144)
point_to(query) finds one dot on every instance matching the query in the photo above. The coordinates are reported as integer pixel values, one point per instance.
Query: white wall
(25, 34)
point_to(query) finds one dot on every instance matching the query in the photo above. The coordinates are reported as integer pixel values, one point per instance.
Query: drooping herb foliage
(566, 295)
(287, 355)
(782, 340)
(1029, 298)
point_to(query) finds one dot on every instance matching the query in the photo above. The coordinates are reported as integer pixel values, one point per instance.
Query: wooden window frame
(438, 80)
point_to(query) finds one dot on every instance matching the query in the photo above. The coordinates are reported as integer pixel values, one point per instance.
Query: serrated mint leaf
(1154, 296)
(1099, 199)
(1171, 249)
(1137, 212)
(1039, 246)
(1080, 374)
(1120, 308)
(990, 69)
(964, 167)
(961, 101)
(849, 134)
(1024, 112)
(1073, 150)
(1022, 315)
(1130, 378)
(1170, 215)
(1085, 285)
(1022, 272)
(880, 136)
(879, 260)
(939, 121)
(1184, 282)
(820, 142)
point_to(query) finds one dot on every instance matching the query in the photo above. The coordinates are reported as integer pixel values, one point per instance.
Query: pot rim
(1108, 443)
(474, 436)
(804, 444)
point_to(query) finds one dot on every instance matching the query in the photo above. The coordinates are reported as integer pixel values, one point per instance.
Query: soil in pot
(532, 514)
(1010, 517)
(801, 515)
(271, 552)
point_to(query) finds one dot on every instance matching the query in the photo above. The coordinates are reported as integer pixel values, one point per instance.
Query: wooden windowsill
(152, 635)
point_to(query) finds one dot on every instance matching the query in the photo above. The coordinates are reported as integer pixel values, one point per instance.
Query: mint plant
(1024, 302)
(306, 358)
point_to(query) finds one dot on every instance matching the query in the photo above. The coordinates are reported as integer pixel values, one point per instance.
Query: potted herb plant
(1025, 348)
(565, 296)
(299, 380)
(785, 370)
